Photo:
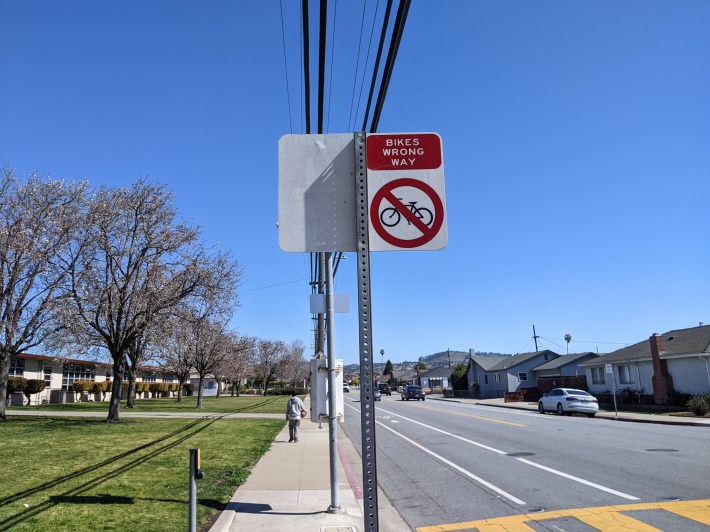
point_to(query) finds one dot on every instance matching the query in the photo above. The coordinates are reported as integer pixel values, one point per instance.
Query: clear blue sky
(576, 148)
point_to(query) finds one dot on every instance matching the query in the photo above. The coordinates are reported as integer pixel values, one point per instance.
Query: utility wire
(321, 61)
(332, 63)
(283, 41)
(383, 33)
(357, 64)
(367, 61)
(306, 64)
(397, 32)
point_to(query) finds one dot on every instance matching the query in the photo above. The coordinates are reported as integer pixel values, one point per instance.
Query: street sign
(406, 194)
(607, 368)
(317, 193)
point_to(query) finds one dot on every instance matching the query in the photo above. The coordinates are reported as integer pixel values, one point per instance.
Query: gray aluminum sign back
(317, 193)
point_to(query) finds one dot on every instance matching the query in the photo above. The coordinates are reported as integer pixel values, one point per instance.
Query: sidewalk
(289, 489)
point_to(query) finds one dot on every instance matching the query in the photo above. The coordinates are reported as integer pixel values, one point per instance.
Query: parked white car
(568, 400)
(346, 387)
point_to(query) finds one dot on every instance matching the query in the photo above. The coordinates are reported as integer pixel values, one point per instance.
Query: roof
(678, 343)
(441, 371)
(498, 363)
(563, 360)
(75, 361)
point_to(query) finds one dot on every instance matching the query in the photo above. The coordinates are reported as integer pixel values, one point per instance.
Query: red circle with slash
(428, 231)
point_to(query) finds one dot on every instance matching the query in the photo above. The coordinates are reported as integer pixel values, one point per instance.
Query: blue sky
(576, 141)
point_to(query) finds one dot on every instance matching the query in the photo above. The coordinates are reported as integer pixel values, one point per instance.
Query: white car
(346, 388)
(568, 400)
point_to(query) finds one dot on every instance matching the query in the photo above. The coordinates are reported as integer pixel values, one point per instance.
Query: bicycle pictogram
(391, 216)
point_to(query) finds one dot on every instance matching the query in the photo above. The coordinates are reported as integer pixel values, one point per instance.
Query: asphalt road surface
(449, 465)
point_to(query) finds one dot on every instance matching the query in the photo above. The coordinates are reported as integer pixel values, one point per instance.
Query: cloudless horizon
(576, 141)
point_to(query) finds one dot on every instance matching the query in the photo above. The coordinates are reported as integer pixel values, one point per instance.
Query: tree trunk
(4, 375)
(219, 389)
(199, 392)
(115, 403)
(131, 373)
(182, 383)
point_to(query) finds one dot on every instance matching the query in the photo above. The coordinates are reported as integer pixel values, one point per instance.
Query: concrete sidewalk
(289, 489)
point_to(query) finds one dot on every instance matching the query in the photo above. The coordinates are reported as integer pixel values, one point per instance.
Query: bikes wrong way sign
(406, 194)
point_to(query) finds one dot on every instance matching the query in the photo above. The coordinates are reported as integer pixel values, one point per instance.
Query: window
(598, 375)
(168, 377)
(485, 379)
(148, 376)
(76, 372)
(625, 375)
(17, 367)
(523, 376)
(48, 376)
(497, 377)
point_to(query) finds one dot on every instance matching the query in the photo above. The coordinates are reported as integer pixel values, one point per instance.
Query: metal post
(332, 372)
(367, 396)
(193, 490)
(613, 387)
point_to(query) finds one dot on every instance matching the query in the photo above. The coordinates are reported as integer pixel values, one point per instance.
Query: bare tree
(295, 367)
(209, 342)
(141, 262)
(38, 222)
(268, 359)
(238, 363)
(175, 352)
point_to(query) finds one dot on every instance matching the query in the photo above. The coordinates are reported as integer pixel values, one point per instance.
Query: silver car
(568, 400)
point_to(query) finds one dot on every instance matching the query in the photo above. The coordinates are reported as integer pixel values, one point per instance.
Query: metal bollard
(195, 474)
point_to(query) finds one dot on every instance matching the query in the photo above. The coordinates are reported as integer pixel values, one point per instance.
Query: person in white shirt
(294, 407)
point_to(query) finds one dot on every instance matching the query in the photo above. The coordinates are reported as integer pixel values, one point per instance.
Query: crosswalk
(641, 517)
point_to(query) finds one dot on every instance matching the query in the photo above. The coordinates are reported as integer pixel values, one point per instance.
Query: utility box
(319, 390)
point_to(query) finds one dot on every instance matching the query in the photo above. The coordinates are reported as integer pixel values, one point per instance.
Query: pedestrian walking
(294, 412)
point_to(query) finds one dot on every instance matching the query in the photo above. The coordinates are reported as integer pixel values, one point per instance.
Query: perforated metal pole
(367, 397)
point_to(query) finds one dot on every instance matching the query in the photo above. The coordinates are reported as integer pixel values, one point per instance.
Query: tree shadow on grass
(102, 498)
(184, 433)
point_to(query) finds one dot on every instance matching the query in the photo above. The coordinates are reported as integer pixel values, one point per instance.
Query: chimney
(662, 380)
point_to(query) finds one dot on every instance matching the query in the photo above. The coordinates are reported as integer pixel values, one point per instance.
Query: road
(447, 463)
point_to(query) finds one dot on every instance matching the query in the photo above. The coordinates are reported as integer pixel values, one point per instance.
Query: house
(675, 361)
(496, 375)
(436, 378)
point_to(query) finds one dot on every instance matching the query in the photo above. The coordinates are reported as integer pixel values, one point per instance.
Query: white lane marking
(580, 480)
(539, 466)
(455, 467)
(482, 446)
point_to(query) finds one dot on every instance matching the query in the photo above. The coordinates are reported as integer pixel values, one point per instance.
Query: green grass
(254, 404)
(65, 474)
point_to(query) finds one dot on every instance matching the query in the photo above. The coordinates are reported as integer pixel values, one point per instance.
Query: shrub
(98, 387)
(154, 387)
(676, 398)
(189, 388)
(108, 386)
(16, 384)
(699, 405)
(33, 386)
(81, 386)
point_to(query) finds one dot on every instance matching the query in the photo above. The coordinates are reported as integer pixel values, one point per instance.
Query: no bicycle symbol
(406, 223)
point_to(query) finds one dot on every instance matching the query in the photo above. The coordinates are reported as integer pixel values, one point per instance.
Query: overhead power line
(397, 32)
(376, 68)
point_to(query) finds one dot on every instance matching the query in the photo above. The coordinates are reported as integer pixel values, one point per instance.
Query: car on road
(567, 401)
(346, 387)
(413, 391)
(384, 388)
(378, 395)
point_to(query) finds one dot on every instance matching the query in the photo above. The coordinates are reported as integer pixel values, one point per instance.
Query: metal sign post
(367, 396)
(610, 370)
(332, 383)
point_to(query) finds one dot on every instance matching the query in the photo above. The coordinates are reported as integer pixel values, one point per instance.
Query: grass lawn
(83, 474)
(255, 404)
